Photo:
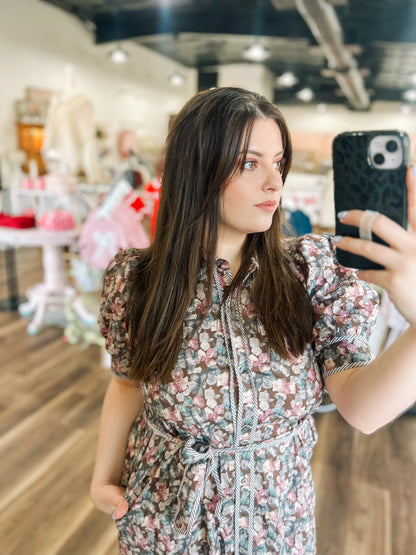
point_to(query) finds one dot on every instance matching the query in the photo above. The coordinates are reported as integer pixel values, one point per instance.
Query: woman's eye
(279, 165)
(249, 165)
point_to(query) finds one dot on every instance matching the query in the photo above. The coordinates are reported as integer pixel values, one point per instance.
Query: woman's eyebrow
(261, 155)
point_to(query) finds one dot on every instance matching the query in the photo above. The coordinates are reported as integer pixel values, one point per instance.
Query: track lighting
(118, 55)
(256, 53)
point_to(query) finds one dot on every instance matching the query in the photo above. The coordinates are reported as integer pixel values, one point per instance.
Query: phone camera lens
(391, 146)
(379, 158)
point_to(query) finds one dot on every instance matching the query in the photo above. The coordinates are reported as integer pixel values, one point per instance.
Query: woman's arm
(371, 396)
(122, 403)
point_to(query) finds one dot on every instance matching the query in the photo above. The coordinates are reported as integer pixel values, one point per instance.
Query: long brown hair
(203, 148)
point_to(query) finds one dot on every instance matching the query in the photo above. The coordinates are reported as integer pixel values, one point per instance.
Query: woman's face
(249, 201)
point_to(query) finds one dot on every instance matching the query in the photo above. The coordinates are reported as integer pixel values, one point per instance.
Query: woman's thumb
(121, 509)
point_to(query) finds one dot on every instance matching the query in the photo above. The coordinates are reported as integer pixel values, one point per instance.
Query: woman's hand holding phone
(398, 277)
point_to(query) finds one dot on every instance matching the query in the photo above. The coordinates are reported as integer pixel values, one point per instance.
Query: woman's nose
(272, 179)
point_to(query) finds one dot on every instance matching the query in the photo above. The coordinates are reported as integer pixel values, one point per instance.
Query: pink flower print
(260, 536)
(161, 492)
(297, 407)
(223, 379)
(311, 375)
(150, 453)
(342, 317)
(263, 416)
(208, 357)
(168, 545)
(273, 516)
(152, 523)
(215, 414)
(290, 542)
(143, 542)
(153, 390)
(261, 496)
(171, 416)
(284, 387)
(249, 310)
(262, 362)
(199, 401)
(291, 496)
(193, 344)
(212, 505)
(194, 430)
(180, 383)
(271, 466)
(283, 484)
(201, 305)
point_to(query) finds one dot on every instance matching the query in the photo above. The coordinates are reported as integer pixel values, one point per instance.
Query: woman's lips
(268, 206)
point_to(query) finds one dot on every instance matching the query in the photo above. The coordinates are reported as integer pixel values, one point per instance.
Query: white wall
(383, 115)
(37, 42)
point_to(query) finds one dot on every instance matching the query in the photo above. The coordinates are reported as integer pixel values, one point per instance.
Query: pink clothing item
(57, 220)
(102, 238)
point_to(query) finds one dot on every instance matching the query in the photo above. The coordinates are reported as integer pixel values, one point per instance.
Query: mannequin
(69, 145)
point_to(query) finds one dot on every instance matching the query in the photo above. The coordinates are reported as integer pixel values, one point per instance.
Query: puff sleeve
(344, 307)
(112, 315)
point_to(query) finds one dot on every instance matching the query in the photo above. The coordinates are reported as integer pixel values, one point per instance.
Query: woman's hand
(123, 401)
(110, 499)
(399, 259)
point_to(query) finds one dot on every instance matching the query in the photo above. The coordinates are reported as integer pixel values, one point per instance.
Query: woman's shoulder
(310, 253)
(310, 247)
(124, 261)
(118, 270)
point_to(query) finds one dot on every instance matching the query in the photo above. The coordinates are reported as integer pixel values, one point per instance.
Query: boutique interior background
(51, 391)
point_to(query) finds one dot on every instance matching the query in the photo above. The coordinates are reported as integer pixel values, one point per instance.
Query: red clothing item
(20, 222)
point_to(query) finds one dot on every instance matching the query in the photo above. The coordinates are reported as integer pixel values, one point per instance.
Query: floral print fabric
(191, 486)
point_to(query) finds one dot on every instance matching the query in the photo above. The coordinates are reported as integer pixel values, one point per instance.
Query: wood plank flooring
(50, 399)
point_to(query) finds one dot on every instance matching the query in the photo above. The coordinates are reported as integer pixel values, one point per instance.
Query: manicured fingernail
(414, 169)
(336, 238)
(341, 215)
(120, 510)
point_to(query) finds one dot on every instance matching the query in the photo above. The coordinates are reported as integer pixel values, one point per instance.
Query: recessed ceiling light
(118, 55)
(322, 107)
(410, 95)
(256, 53)
(287, 79)
(305, 94)
(176, 79)
(405, 108)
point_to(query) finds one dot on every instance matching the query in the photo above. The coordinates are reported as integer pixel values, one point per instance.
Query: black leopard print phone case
(362, 182)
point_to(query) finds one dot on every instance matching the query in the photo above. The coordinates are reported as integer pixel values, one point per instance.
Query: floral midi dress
(218, 462)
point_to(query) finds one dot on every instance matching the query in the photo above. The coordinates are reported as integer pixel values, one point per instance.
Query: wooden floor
(50, 399)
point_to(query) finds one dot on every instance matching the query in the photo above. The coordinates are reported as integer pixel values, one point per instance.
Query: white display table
(54, 289)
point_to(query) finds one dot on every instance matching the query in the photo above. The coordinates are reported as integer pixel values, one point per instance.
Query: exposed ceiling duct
(325, 27)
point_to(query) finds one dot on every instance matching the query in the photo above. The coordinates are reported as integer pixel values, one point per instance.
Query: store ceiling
(379, 36)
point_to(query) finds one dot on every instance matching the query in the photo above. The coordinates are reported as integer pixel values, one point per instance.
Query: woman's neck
(232, 252)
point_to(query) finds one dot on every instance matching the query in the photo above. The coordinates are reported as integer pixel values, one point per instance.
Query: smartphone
(369, 174)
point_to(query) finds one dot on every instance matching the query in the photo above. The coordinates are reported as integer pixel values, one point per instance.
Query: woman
(223, 334)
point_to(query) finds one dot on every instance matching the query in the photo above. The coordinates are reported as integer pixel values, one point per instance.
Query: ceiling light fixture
(287, 79)
(256, 53)
(118, 55)
(410, 95)
(176, 79)
(305, 94)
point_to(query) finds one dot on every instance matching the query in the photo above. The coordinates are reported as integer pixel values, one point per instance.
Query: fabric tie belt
(201, 460)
